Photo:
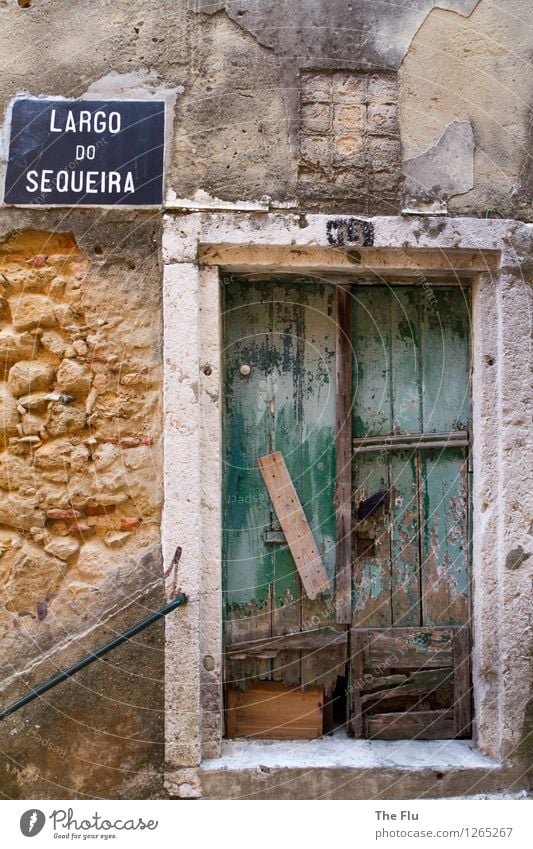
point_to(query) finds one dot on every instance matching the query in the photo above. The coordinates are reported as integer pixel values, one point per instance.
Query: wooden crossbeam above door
(294, 524)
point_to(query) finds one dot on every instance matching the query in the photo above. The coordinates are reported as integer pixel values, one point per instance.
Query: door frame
(195, 248)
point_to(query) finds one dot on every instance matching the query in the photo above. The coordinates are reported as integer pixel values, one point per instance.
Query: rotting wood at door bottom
(421, 725)
(411, 683)
(307, 658)
(323, 666)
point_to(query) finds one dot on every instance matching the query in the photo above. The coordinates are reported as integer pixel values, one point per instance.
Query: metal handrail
(90, 658)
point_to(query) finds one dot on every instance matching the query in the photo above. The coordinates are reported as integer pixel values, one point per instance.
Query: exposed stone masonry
(79, 411)
(350, 139)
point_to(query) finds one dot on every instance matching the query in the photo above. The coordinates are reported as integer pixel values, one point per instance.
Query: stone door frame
(196, 247)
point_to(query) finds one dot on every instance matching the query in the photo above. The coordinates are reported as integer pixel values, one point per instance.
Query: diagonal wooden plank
(294, 524)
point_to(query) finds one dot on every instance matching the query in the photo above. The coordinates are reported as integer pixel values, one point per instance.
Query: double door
(388, 512)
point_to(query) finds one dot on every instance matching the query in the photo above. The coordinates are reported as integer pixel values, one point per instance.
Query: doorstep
(337, 767)
(338, 750)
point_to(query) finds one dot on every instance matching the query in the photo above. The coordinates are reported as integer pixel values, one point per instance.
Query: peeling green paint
(285, 331)
(411, 375)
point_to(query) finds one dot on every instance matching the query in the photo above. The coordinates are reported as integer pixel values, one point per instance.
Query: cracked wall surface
(479, 70)
(235, 70)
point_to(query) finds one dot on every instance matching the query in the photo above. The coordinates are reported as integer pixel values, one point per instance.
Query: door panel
(284, 333)
(410, 551)
(411, 380)
(244, 498)
(372, 574)
(372, 411)
(445, 353)
(445, 572)
(405, 552)
(404, 306)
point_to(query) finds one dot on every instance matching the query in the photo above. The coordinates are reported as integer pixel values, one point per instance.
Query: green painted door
(411, 420)
(411, 425)
(279, 395)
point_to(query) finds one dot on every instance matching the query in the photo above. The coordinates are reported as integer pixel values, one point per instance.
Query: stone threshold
(341, 768)
(338, 750)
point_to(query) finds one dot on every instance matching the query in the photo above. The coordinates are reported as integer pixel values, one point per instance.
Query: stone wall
(80, 494)
(79, 431)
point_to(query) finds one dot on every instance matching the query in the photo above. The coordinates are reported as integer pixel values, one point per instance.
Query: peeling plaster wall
(356, 32)
(445, 170)
(235, 68)
(476, 69)
(232, 134)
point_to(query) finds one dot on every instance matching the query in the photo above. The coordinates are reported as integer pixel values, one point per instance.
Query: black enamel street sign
(86, 153)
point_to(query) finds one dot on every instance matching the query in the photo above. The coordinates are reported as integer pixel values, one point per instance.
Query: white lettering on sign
(85, 121)
(80, 182)
(88, 152)
(83, 152)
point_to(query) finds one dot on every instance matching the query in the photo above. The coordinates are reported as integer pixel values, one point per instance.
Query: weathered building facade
(340, 274)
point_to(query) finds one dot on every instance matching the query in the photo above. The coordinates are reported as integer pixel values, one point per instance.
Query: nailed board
(403, 648)
(415, 725)
(294, 524)
(431, 701)
(417, 684)
(272, 711)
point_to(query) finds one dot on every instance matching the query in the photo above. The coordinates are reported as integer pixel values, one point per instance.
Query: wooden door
(411, 427)
(279, 396)
(399, 575)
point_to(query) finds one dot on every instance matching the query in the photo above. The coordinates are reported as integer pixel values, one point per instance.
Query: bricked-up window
(349, 140)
